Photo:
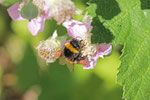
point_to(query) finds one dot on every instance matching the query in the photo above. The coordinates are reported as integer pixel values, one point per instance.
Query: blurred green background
(24, 76)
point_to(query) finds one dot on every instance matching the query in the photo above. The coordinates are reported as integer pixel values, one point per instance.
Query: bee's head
(75, 43)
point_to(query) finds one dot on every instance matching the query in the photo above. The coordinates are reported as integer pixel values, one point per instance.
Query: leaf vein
(133, 62)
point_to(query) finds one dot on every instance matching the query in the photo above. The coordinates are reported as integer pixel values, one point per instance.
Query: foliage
(129, 25)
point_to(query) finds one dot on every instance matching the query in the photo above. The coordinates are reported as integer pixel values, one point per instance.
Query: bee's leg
(81, 61)
(77, 61)
(58, 53)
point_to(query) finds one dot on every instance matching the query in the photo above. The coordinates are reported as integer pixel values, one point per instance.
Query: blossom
(57, 9)
(61, 10)
(48, 48)
(92, 52)
(36, 25)
(101, 51)
(75, 28)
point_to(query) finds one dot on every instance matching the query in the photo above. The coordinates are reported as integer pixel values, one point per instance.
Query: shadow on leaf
(145, 4)
(100, 33)
(107, 8)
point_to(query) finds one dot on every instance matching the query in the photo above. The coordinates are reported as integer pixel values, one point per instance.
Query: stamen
(88, 49)
(47, 52)
(39, 3)
(62, 10)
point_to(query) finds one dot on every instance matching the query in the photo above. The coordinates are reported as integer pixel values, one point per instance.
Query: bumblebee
(72, 52)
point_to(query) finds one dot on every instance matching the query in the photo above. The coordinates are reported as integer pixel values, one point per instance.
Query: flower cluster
(82, 32)
(47, 9)
(59, 47)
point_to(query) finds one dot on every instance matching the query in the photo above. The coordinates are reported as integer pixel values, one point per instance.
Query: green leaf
(99, 33)
(145, 4)
(92, 9)
(130, 28)
(135, 67)
(107, 9)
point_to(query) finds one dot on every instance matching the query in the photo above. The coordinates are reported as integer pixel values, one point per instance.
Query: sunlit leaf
(130, 27)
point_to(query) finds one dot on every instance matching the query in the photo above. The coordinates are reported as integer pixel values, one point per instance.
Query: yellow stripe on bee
(71, 48)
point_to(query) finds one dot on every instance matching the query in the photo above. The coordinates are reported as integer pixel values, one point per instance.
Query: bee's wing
(70, 66)
(62, 61)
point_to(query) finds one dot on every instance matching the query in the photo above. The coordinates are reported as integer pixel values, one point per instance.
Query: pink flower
(77, 29)
(48, 48)
(102, 50)
(57, 9)
(14, 12)
(36, 25)
(82, 31)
